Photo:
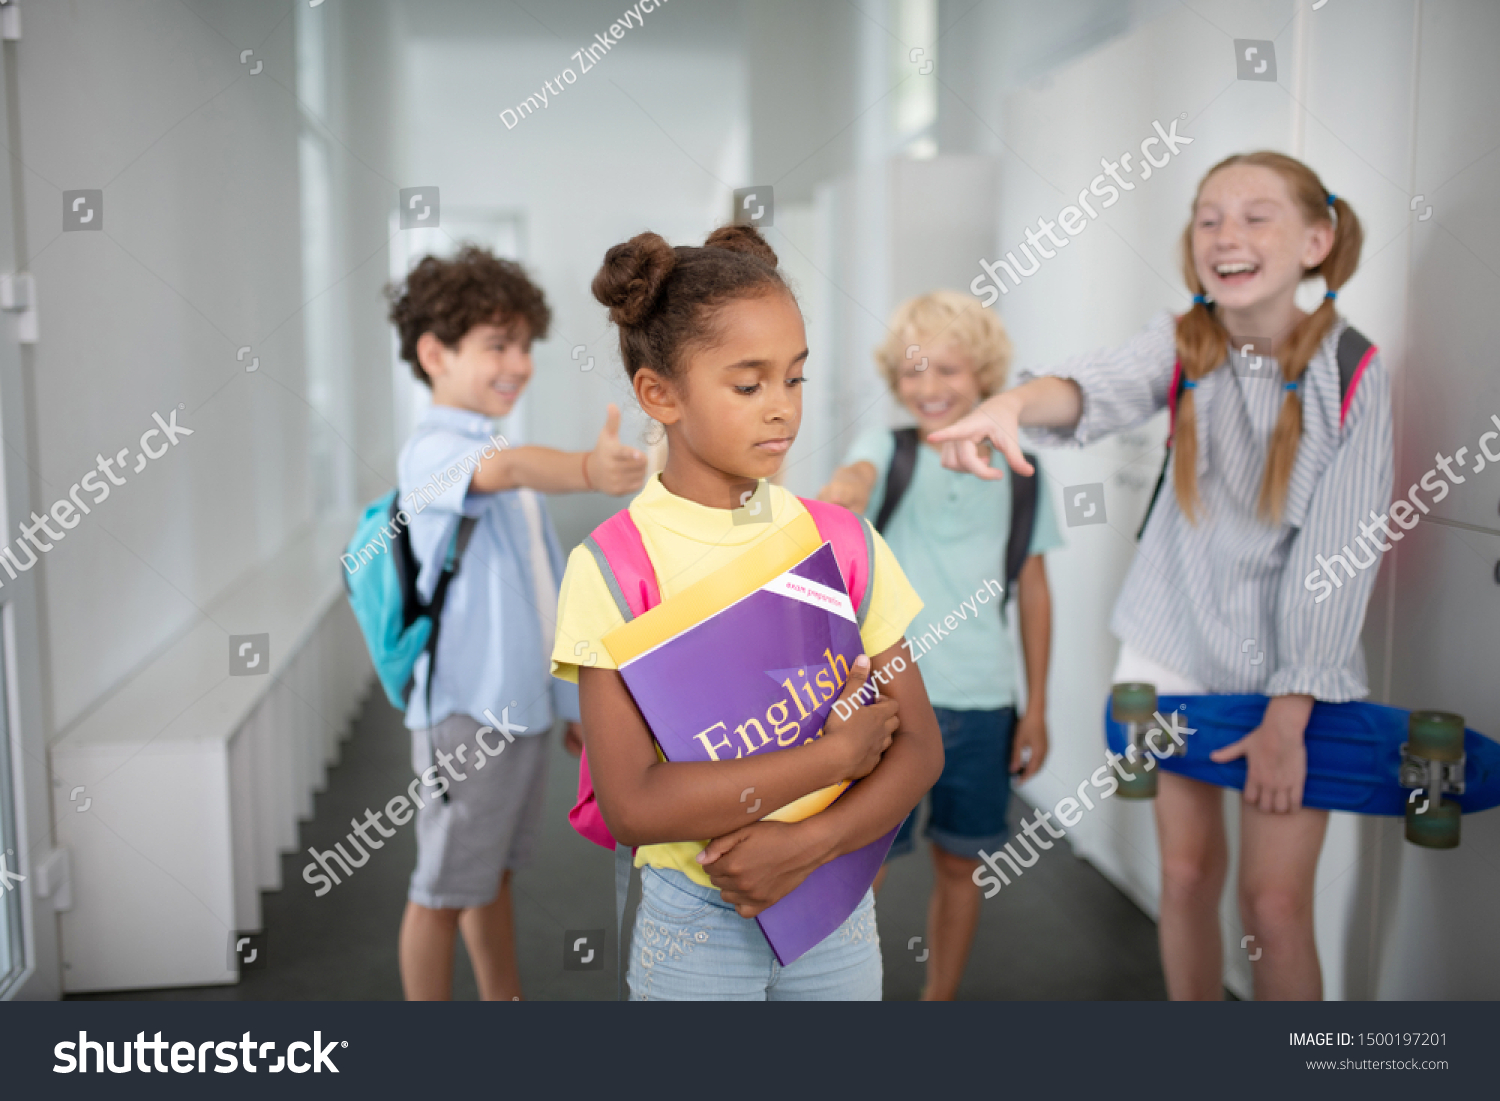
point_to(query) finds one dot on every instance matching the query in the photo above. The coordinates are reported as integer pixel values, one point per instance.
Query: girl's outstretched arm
(1050, 401)
(648, 801)
(1083, 399)
(758, 865)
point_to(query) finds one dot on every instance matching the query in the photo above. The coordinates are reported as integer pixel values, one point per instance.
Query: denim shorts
(690, 945)
(969, 800)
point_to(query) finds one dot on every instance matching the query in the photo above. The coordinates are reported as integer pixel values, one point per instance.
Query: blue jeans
(970, 799)
(690, 945)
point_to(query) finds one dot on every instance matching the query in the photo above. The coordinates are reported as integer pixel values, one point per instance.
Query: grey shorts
(491, 820)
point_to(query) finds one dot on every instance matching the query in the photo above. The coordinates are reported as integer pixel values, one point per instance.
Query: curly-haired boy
(466, 325)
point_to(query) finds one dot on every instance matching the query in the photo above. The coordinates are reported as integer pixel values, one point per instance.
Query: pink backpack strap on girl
(627, 570)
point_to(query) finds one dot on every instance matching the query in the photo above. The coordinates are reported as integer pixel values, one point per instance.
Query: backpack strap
(1172, 395)
(897, 475)
(1354, 354)
(621, 556)
(853, 547)
(1166, 460)
(434, 608)
(1023, 491)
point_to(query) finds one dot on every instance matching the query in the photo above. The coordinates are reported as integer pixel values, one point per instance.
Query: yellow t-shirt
(686, 542)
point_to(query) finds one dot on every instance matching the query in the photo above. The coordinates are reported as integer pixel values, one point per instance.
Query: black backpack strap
(1353, 354)
(898, 475)
(1166, 459)
(434, 607)
(1023, 493)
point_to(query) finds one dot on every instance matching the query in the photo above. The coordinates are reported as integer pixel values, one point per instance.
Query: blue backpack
(382, 586)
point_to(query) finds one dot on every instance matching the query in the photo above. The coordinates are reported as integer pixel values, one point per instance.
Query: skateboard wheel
(1435, 735)
(1436, 828)
(1134, 703)
(1142, 784)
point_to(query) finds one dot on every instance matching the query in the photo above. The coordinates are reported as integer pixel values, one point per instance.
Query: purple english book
(756, 677)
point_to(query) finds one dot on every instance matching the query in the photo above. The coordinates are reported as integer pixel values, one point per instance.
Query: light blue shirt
(491, 650)
(949, 533)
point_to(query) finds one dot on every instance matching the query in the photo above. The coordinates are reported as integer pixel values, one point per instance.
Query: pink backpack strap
(853, 547)
(626, 568)
(621, 557)
(1172, 399)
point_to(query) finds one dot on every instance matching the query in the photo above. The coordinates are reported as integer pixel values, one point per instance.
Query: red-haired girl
(1275, 466)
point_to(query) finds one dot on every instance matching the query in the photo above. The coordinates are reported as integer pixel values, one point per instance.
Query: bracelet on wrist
(586, 483)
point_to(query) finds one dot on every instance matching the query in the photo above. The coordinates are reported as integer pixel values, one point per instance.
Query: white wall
(201, 254)
(198, 256)
(1433, 934)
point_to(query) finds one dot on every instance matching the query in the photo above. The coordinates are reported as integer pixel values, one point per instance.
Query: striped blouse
(1234, 602)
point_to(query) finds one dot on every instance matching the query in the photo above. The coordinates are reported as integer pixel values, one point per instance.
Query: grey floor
(1064, 932)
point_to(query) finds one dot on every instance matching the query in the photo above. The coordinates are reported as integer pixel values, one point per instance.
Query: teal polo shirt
(950, 533)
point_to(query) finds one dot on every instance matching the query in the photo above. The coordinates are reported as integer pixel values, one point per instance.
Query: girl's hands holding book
(759, 865)
(865, 734)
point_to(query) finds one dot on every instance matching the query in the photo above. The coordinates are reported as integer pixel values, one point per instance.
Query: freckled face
(1250, 243)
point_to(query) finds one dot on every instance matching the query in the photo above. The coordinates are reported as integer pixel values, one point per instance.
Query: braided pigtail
(1201, 346)
(1302, 344)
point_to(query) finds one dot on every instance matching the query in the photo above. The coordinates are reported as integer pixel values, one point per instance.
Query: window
(914, 103)
(324, 315)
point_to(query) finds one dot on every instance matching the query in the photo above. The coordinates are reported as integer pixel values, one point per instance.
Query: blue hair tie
(1200, 299)
(1189, 384)
(1331, 295)
(1291, 386)
(1331, 197)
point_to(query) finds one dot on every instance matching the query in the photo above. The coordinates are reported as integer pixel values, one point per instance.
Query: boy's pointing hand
(613, 467)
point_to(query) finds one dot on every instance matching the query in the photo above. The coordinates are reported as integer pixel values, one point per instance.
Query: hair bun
(745, 239)
(632, 276)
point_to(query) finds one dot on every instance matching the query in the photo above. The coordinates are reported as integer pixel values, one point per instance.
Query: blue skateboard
(1365, 758)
